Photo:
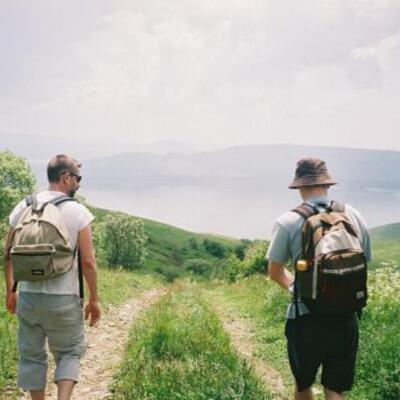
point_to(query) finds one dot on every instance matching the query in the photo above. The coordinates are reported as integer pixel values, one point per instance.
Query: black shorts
(332, 342)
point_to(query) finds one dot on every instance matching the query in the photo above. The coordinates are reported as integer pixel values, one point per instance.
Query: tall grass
(180, 351)
(378, 368)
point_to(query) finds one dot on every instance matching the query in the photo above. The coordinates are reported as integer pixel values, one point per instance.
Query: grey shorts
(56, 320)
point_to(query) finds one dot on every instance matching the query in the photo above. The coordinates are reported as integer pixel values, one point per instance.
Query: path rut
(105, 346)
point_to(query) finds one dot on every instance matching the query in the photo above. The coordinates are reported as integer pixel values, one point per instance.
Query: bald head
(60, 164)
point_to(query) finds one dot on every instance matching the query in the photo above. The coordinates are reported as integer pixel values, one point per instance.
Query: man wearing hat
(313, 340)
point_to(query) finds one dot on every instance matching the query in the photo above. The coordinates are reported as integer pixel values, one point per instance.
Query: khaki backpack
(40, 247)
(331, 276)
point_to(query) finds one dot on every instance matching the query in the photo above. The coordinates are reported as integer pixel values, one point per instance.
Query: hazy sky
(226, 72)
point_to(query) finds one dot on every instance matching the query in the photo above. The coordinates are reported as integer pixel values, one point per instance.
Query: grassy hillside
(389, 232)
(169, 246)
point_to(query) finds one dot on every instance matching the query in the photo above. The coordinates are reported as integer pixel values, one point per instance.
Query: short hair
(60, 164)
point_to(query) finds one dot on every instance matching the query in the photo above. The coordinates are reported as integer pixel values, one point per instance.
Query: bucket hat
(311, 171)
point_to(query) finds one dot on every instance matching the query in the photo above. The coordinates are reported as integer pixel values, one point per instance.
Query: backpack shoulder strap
(31, 200)
(305, 210)
(61, 199)
(337, 206)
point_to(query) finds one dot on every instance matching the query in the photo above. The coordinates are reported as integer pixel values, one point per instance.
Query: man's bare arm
(89, 269)
(11, 297)
(280, 274)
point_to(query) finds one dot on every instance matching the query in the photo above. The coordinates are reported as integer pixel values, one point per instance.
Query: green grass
(378, 370)
(178, 350)
(389, 232)
(384, 253)
(114, 288)
(264, 304)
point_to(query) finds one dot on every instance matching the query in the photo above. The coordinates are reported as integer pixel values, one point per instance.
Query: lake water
(241, 212)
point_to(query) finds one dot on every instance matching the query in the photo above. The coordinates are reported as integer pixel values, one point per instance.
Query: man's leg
(37, 394)
(65, 388)
(304, 395)
(32, 367)
(331, 395)
(65, 333)
(304, 351)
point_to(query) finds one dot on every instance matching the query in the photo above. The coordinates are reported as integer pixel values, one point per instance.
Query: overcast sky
(226, 72)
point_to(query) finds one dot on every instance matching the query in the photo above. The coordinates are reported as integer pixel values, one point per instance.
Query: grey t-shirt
(285, 244)
(76, 217)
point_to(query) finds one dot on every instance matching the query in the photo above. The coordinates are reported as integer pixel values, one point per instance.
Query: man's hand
(93, 309)
(11, 302)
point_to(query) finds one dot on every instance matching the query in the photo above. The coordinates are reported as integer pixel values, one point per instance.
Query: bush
(214, 248)
(254, 259)
(252, 263)
(123, 241)
(193, 243)
(241, 247)
(198, 266)
(169, 272)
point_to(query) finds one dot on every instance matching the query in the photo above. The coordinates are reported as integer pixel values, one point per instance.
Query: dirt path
(242, 334)
(105, 349)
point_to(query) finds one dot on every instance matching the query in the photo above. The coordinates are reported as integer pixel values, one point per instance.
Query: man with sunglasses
(50, 310)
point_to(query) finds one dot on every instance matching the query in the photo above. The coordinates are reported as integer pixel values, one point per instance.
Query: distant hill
(246, 164)
(238, 191)
(389, 232)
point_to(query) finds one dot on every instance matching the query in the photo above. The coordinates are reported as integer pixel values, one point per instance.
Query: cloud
(226, 71)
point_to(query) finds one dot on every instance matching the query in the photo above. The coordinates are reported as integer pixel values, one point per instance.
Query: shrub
(254, 259)
(193, 243)
(198, 266)
(123, 241)
(241, 247)
(214, 248)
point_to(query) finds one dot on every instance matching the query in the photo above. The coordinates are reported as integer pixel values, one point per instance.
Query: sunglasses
(78, 177)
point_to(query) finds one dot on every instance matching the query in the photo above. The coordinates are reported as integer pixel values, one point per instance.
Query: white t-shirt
(76, 217)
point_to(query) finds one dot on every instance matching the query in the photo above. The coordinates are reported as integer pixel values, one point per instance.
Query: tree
(123, 241)
(16, 181)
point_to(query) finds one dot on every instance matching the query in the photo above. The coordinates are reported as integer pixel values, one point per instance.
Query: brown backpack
(331, 277)
(40, 246)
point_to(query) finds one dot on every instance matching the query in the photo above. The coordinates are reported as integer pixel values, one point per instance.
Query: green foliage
(241, 247)
(16, 181)
(193, 243)
(168, 245)
(378, 370)
(179, 350)
(214, 248)
(198, 266)
(169, 272)
(123, 241)
(253, 261)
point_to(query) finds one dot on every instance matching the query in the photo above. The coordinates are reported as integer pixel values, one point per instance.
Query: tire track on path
(242, 334)
(105, 346)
